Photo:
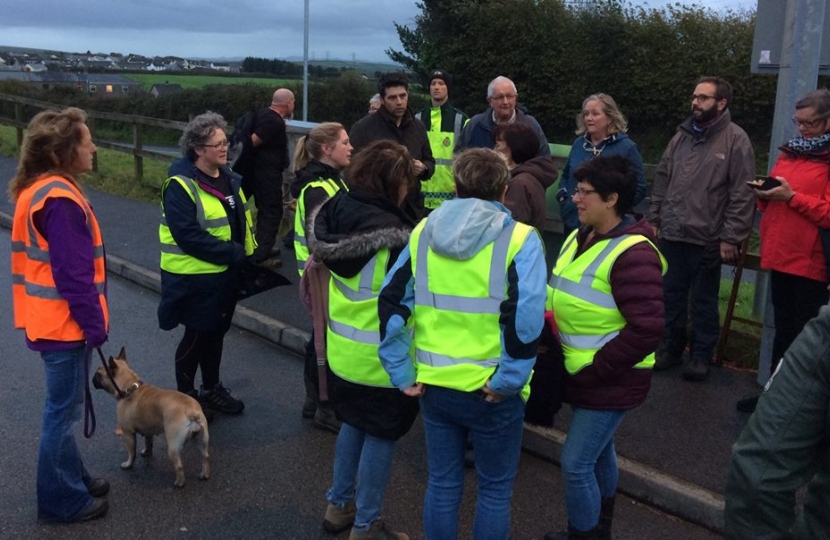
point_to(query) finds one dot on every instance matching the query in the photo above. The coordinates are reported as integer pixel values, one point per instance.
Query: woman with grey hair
(601, 129)
(206, 238)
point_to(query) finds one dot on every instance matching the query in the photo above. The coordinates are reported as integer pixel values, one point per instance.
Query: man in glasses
(701, 208)
(270, 142)
(502, 97)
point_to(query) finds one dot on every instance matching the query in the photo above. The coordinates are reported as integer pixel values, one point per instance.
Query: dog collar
(128, 392)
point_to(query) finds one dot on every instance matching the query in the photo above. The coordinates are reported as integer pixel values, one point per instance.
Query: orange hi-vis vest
(38, 307)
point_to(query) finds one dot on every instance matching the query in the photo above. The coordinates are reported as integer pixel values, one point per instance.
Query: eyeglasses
(582, 192)
(500, 97)
(223, 144)
(702, 98)
(809, 124)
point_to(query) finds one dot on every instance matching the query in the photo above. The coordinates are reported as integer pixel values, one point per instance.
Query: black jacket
(348, 230)
(315, 170)
(201, 301)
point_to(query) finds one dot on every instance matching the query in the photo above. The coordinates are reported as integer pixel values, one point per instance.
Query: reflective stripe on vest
(331, 187)
(212, 217)
(38, 306)
(353, 333)
(582, 300)
(444, 353)
(440, 187)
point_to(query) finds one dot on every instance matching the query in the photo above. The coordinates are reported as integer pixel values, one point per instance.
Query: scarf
(801, 145)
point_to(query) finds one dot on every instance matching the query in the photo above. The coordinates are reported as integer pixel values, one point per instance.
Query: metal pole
(797, 75)
(305, 65)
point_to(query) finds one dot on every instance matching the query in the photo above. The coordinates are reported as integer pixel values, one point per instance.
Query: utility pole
(305, 65)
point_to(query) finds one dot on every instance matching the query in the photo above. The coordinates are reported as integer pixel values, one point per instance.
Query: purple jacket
(611, 383)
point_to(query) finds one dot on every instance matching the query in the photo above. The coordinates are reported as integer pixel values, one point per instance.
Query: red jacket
(790, 239)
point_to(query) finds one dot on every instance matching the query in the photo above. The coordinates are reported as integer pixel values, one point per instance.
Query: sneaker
(696, 369)
(219, 399)
(377, 531)
(748, 404)
(96, 509)
(209, 414)
(98, 487)
(325, 419)
(309, 408)
(339, 518)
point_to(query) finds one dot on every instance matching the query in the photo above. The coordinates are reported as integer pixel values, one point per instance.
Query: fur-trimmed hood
(347, 230)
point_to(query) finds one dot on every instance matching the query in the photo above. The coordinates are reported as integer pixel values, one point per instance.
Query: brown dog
(149, 410)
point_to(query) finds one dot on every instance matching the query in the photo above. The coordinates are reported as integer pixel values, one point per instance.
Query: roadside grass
(198, 81)
(744, 345)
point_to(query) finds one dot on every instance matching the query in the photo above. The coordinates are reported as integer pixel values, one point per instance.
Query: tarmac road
(270, 467)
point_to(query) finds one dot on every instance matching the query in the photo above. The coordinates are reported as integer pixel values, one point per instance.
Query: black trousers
(267, 191)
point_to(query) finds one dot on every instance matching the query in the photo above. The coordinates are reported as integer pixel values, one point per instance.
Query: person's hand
(781, 193)
(490, 395)
(729, 252)
(419, 166)
(94, 340)
(416, 390)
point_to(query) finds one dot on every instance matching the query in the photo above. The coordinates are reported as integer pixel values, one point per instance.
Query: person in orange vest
(59, 289)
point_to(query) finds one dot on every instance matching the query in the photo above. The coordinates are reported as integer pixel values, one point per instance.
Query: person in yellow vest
(466, 297)
(319, 158)
(59, 289)
(443, 123)
(357, 234)
(606, 293)
(206, 238)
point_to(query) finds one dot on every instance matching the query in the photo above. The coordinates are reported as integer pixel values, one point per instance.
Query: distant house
(37, 67)
(104, 84)
(220, 67)
(166, 89)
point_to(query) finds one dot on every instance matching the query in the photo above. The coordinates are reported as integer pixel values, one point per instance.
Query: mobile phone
(768, 183)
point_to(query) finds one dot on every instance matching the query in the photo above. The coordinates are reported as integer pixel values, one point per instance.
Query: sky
(215, 29)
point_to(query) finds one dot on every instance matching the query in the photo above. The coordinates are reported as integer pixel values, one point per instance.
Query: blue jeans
(496, 433)
(367, 459)
(589, 464)
(61, 476)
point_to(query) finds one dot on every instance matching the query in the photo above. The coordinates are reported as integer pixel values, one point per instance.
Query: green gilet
(212, 217)
(457, 337)
(331, 186)
(440, 187)
(353, 334)
(582, 301)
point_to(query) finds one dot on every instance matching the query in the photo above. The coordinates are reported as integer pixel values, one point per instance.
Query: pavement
(674, 449)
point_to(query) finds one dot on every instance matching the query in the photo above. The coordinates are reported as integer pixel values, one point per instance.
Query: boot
(573, 534)
(664, 358)
(697, 369)
(606, 516)
(377, 531)
(337, 518)
(209, 414)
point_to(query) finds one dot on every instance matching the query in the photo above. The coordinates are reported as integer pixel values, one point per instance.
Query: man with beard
(701, 208)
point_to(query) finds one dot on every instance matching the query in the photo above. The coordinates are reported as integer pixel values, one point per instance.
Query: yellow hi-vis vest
(353, 335)
(211, 215)
(582, 301)
(331, 187)
(457, 337)
(440, 187)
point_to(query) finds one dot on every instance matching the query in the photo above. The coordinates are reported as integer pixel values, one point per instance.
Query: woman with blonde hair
(602, 128)
(59, 289)
(318, 159)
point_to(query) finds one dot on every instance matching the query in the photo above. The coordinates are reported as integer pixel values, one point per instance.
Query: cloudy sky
(341, 29)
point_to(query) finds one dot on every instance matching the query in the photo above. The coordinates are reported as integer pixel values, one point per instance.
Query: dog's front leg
(148, 446)
(129, 441)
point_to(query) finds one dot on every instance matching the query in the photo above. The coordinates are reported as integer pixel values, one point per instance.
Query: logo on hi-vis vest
(446, 142)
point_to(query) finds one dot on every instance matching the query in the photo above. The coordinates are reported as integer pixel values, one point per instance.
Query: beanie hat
(440, 74)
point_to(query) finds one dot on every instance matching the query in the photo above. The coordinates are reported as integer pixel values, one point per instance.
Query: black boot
(606, 516)
(573, 534)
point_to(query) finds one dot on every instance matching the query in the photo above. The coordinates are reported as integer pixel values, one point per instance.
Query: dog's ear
(112, 365)
(122, 355)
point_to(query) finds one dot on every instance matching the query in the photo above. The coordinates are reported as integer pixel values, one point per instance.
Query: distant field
(198, 81)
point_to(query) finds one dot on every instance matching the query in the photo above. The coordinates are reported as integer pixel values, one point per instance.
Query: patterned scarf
(801, 145)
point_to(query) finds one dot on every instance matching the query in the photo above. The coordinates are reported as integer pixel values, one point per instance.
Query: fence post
(18, 116)
(139, 161)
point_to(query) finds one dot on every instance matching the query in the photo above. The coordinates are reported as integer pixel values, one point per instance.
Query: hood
(460, 228)
(542, 168)
(310, 173)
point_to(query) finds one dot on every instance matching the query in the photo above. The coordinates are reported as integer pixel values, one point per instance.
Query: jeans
(690, 287)
(367, 459)
(589, 465)
(495, 430)
(61, 476)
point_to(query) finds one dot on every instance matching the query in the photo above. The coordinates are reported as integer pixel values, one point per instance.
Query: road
(270, 467)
